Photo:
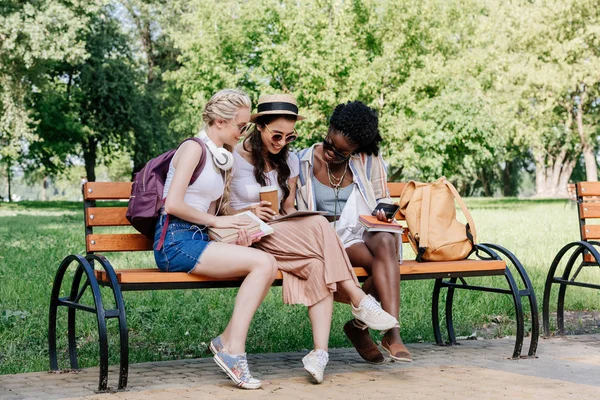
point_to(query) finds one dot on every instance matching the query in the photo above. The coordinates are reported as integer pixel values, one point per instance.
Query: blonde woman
(192, 208)
(312, 259)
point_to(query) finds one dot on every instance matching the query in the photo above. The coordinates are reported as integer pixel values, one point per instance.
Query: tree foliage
(482, 92)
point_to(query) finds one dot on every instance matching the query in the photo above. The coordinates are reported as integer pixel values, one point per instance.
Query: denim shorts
(184, 244)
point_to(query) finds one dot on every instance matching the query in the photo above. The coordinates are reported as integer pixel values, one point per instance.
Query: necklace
(336, 186)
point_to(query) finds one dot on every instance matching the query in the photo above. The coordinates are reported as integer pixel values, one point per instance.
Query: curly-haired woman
(345, 176)
(308, 251)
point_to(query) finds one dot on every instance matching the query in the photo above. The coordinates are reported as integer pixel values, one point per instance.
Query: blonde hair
(225, 104)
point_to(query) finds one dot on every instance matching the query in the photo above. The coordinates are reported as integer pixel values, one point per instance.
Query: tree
(31, 35)
(89, 106)
(149, 20)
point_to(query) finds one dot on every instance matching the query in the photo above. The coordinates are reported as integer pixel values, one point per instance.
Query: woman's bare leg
(386, 276)
(221, 260)
(320, 317)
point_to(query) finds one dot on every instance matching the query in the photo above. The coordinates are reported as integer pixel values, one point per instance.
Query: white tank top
(208, 187)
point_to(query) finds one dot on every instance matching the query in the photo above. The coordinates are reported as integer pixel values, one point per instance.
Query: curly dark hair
(359, 124)
(279, 160)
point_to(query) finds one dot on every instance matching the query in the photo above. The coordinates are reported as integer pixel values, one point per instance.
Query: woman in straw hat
(189, 209)
(346, 176)
(312, 259)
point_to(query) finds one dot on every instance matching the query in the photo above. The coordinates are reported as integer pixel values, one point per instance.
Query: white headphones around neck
(221, 156)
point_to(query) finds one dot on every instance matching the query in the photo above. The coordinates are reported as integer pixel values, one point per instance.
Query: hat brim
(276, 112)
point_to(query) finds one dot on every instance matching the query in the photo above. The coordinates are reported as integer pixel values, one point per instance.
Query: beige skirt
(310, 256)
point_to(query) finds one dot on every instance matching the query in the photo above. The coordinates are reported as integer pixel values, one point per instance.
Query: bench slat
(106, 216)
(588, 189)
(107, 190)
(408, 268)
(396, 188)
(117, 242)
(589, 210)
(590, 232)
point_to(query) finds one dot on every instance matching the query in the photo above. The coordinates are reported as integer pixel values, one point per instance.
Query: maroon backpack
(146, 198)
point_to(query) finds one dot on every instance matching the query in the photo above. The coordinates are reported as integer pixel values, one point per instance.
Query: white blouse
(206, 189)
(245, 188)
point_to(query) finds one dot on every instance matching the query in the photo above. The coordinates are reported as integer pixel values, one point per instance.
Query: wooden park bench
(93, 270)
(579, 255)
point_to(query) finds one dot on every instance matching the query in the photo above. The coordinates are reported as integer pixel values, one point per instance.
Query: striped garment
(369, 174)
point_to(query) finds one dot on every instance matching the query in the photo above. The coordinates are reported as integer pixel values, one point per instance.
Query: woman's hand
(263, 211)
(232, 221)
(381, 216)
(244, 239)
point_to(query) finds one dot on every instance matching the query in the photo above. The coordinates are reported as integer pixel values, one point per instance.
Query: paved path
(566, 368)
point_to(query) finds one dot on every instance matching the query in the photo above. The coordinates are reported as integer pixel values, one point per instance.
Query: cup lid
(268, 188)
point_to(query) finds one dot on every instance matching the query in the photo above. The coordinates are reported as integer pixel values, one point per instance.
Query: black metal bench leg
(449, 321)
(72, 303)
(527, 292)
(550, 280)
(71, 325)
(54, 303)
(435, 312)
(121, 315)
(547, 291)
(518, 314)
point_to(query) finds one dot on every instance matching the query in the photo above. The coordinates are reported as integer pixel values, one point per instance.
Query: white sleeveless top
(245, 188)
(208, 187)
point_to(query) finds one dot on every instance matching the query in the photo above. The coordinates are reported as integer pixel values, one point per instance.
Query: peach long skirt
(310, 256)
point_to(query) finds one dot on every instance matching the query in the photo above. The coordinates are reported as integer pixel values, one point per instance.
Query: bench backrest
(588, 197)
(96, 215)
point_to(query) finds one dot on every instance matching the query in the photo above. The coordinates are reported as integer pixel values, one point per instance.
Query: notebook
(256, 229)
(372, 224)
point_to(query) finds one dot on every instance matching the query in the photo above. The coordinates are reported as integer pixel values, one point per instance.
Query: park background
(502, 97)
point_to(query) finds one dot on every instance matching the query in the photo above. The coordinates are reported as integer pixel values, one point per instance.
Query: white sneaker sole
(313, 373)
(212, 348)
(234, 378)
(378, 327)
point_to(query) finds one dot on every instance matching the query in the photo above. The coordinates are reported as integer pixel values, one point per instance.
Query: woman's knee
(385, 244)
(267, 265)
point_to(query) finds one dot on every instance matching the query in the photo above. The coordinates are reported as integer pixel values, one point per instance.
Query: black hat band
(277, 106)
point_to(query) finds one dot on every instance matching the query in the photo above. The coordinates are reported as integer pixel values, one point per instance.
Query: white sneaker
(315, 363)
(370, 312)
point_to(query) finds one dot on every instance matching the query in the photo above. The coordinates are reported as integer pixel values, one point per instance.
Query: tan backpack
(435, 233)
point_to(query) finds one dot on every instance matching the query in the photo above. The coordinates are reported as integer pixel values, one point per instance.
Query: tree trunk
(44, 187)
(89, 156)
(510, 178)
(564, 179)
(9, 176)
(552, 175)
(591, 170)
(540, 173)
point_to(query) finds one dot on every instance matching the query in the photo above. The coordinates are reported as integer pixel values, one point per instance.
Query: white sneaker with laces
(315, 363)
(370, 312)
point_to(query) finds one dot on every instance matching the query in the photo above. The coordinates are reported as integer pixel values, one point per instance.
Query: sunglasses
(276, 137)
(328, 146)
(243, 128)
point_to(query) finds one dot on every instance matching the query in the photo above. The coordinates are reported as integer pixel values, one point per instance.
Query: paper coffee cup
(269, 193)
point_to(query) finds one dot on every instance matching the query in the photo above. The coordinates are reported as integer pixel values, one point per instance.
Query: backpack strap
(424, 226)
(195, 175)
(202, 161)
(471, 232)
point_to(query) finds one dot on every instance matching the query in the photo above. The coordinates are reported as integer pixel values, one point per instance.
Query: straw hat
(276, 104)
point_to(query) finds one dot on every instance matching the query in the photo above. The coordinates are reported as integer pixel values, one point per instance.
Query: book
(372, 224)
(256, 229)
(297, 214)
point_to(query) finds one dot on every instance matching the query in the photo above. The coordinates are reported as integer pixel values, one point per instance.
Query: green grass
(36, 236)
